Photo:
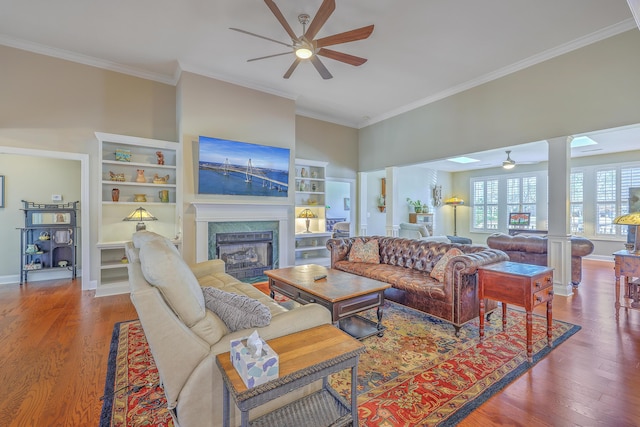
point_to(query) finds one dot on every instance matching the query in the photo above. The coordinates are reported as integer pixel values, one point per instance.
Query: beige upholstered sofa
(407, 264)
(184, 336)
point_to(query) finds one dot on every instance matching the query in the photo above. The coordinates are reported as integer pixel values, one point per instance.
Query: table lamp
(632, 218)
(307, 214)
(140, 215)
(455, 202)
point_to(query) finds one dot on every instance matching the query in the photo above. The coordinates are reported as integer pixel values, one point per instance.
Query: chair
(341, 229)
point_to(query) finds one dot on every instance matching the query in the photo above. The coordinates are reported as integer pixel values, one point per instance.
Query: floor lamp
(455, 202)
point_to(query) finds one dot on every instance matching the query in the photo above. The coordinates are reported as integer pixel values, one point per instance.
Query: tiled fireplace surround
(213, 212)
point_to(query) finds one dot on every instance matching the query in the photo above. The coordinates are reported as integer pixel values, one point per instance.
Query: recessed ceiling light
(463, 160)
(582, 141)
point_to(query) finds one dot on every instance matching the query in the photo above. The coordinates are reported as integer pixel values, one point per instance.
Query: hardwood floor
(54, 343)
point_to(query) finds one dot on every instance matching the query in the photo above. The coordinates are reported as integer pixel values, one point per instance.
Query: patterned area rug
(419, 373)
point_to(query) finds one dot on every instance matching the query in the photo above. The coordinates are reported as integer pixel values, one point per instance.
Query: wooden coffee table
(343, 294)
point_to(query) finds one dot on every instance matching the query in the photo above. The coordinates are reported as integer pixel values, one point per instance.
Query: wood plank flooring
(54, 343)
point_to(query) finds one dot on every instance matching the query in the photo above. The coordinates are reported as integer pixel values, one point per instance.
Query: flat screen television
(519, 219)
(242, 169)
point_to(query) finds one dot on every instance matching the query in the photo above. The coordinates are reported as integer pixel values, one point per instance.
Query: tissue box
(254, 371)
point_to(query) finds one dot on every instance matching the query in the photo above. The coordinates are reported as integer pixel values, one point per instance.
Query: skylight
(463, 160)
(582, 141)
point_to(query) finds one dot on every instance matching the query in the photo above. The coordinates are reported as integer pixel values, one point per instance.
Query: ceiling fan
(305, 47)
(509, 163)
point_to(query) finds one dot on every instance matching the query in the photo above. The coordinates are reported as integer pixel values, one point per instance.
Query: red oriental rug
(418, 373)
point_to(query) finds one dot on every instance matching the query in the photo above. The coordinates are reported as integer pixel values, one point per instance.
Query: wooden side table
(627, 264)
(524, 285)
(304, 358)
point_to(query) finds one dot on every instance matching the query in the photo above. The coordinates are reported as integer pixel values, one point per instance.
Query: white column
(559, 236)
(392, 226)
(361, 213)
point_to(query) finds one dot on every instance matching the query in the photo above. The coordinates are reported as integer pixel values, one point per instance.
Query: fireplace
(216, 218)
(246, 254)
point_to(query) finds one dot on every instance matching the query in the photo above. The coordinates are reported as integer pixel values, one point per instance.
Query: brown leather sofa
(406, 264)
(532, 249)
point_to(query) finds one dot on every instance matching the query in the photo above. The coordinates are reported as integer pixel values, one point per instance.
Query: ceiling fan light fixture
(509, 163)
(303, 52)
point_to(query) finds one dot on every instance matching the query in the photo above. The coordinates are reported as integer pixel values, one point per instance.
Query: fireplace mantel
(207, 212)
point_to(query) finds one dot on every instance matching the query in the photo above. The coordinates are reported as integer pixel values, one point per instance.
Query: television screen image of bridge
(237, 168)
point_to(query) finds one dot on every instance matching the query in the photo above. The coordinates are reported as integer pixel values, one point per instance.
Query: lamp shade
(140, 215)
(454, 201)
(632, 218)
(306, 213)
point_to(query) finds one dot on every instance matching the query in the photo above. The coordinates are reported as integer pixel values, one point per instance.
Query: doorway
(14, 195)
(340, 199)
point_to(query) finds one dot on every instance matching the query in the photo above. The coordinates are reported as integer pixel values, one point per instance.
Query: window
(576, 195)
(485, 204)
(521, 197)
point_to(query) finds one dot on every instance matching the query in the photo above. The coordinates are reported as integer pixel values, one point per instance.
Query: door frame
(84, 200)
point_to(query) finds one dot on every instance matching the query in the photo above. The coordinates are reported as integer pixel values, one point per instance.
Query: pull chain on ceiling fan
(305, 47)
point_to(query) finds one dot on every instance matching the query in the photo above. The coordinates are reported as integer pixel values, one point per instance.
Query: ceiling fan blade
(342, 57)
(262, 37)
(326, 9)
(320, 67)
(347, 36)
(292, 68)
(274, 9)
(268, 56)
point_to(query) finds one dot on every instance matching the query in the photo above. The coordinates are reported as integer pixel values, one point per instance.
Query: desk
(305, 357)
(524, 285)
(627, 264)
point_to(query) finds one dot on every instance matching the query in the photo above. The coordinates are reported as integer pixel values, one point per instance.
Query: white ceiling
(420, 50)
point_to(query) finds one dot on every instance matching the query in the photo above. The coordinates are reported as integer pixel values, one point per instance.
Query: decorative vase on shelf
(164, 196)
(140, 177)
(115, 194)
(139, 197)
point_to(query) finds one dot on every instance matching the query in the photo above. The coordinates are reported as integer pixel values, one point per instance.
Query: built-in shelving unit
(48, 238)
(121, 160)
(310, 187)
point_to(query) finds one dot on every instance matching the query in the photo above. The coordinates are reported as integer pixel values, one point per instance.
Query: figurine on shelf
(160, 179)
(160, 157)
(140, 177)
(116, 176)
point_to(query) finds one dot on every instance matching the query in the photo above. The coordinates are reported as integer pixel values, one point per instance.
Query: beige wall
(328, 142)
(56, 105)
(593, 88)
(214, 108)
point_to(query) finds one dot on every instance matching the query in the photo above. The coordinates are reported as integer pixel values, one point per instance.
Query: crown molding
(229, 79)
(597, 36)
(83, 59)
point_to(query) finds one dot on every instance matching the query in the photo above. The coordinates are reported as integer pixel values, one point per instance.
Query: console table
(304, 358)
(524, 285)
(627, 264)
